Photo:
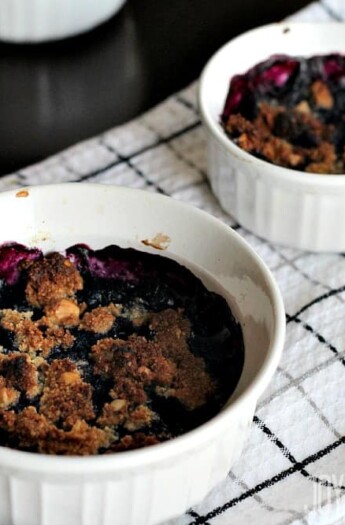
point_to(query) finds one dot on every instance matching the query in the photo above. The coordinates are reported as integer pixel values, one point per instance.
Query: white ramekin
(40, 20)
(150, 485)
(294, 208)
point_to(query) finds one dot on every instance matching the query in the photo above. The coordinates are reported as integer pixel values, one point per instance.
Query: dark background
(55, 94)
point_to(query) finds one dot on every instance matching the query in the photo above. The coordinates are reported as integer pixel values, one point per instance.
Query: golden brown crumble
(8, 395)
(20, 373)
(50, 279)
(64, 423)
(65, 395)
(33, 429)
(55, 402)
(34, 336)
(81, 440)
(166, 361)
(100, 319)
(114, 413)
(268, 136)
(63, 312)
(322, 95)
(138, 440)
(189, 382)
(323, 159)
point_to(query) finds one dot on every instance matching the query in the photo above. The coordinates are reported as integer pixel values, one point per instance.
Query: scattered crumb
(22, 193)
(100, 319)
(51, 279)
(159, 241)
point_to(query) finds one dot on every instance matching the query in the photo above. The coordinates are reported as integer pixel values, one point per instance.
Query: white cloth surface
(292, 471)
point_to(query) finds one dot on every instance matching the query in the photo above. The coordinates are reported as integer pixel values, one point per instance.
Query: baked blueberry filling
(290, 111)
(109, 350)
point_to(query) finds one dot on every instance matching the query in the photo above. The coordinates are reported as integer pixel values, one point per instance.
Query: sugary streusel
(93, 364)
(290, 111)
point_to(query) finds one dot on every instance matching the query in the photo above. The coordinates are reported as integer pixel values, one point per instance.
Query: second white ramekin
(301, 210)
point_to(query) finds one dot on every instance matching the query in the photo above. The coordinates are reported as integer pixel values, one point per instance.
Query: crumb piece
(100, 319)
(62, 312)
(56, 336)
(19, 373)
(29, 337)
(135, 441)
(303, 107)
(22, 193)
(145, 374)
(39, 361)
(11, 318)
(137, 315)
(140, 417)
(34, 431)
(323, 159)
(237, 125)
(321, 94)
(28, 334)
(70, 378)
(114, 413)
(160, 241)
(191, 384)
(279, 151)
(109, 354)
(66, 396)
(121, 361)
(266, 118)
(28, 426)
(81, 440)
(8, 396)
(50, 279)
(248, 142)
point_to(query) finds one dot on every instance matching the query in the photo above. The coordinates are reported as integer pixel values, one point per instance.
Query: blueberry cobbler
(108, 350)
(290, 111)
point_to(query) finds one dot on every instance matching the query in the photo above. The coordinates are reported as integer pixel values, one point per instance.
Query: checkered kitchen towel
(292, 470)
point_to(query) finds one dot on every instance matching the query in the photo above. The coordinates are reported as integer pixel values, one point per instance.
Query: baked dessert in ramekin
(151, 484)
(281, 204)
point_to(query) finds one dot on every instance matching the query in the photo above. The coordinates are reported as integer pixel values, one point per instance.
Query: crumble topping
(63, 312)
(33, 430)
(50, 279)
(18, 372)
(290, 112)
(92, 364)
(100, 319)
(66, 397)
(34, 336)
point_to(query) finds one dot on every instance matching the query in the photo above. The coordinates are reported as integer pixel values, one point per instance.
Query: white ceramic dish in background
(150, 485)
(290, 207)
(40, 20)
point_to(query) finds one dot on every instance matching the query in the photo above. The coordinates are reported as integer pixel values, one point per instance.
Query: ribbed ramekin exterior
(147, 496)
(39, 20)
(297, 214)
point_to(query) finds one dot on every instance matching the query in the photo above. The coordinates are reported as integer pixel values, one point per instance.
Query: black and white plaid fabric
(292, 470)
